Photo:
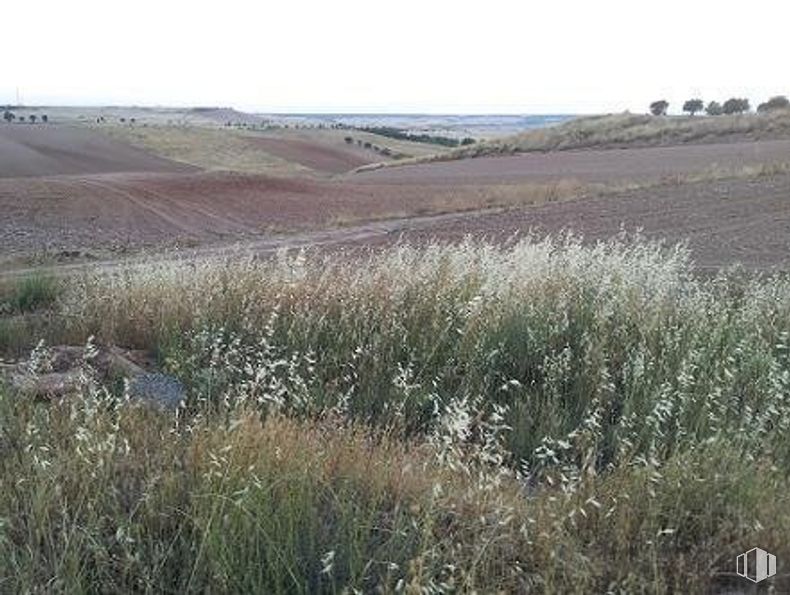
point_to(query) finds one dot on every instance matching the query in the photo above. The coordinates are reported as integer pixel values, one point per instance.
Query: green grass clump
(31, 293)
(546, 416)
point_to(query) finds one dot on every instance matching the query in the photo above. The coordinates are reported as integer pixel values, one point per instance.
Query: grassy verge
(543, 417)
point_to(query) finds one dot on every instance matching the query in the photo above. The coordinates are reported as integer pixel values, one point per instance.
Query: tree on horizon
(692, 106)
(659, 108)
(736, 105)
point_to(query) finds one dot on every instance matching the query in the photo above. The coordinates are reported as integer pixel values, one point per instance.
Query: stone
(154, 388)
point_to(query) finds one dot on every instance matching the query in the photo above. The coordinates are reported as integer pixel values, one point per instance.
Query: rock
(108, 362)
(155, 388)
(61, 375)
(53, 385)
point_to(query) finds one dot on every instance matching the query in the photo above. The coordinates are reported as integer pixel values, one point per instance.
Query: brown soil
(47, 149)
(314, 155)
(726, 222)
(102, 216)
(585, 165)
(120, 212)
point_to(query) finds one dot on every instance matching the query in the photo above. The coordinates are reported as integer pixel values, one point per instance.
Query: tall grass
(617, 344)
(543, 416)
(29, 293)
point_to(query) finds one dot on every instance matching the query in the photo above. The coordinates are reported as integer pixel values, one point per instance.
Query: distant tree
(132, 120)
(659, 108)
(21, 118)
(714, 109)
(692, 106)
(8, 116)
(44, 118)
(468, 141)
(349, 140)
(778, 102)
(123, 120)
(368, 145)
(735, 105)
(32, 118)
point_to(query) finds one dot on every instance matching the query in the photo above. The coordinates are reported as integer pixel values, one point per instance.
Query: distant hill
(225, 115)
(159, 116)
(629, 130)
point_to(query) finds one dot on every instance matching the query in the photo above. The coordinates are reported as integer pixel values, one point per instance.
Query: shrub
(735, 105)
(659, 108)
(692, 106)
(33, 292)
(714, 109)
(778, 102)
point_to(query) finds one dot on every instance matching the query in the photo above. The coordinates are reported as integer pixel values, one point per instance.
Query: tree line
(10, 116)
(734, 105)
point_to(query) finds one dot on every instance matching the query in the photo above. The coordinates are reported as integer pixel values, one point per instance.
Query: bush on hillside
(659, 108)
(736, 105)
(692, 106)
(778, 102)
(714, 109)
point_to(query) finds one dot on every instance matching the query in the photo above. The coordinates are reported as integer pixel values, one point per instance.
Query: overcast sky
(493, 56)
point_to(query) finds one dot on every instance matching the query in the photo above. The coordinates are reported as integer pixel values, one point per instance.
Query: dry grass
(625, 130)
(403, 147)
(221, 148)
(541, 417)
(206, 147)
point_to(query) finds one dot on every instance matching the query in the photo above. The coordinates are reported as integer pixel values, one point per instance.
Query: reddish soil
(47, 149)
(316, 156)
(724, 222)
(585, 165)
(127, 211)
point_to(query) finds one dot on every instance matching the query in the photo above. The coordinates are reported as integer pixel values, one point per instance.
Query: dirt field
(122, 212)
(68, 218)
(317, 153)
(586, 165)
(320, 157)
(45, 150)
(725, 222)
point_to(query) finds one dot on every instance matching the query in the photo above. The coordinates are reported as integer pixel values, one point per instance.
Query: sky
(424, 56)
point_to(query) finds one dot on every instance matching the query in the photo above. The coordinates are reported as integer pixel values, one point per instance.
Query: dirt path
(374, 233)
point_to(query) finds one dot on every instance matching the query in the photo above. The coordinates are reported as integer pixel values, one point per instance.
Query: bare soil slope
(725, 222)
(604, 165)
(45, 150)
(320, 157)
